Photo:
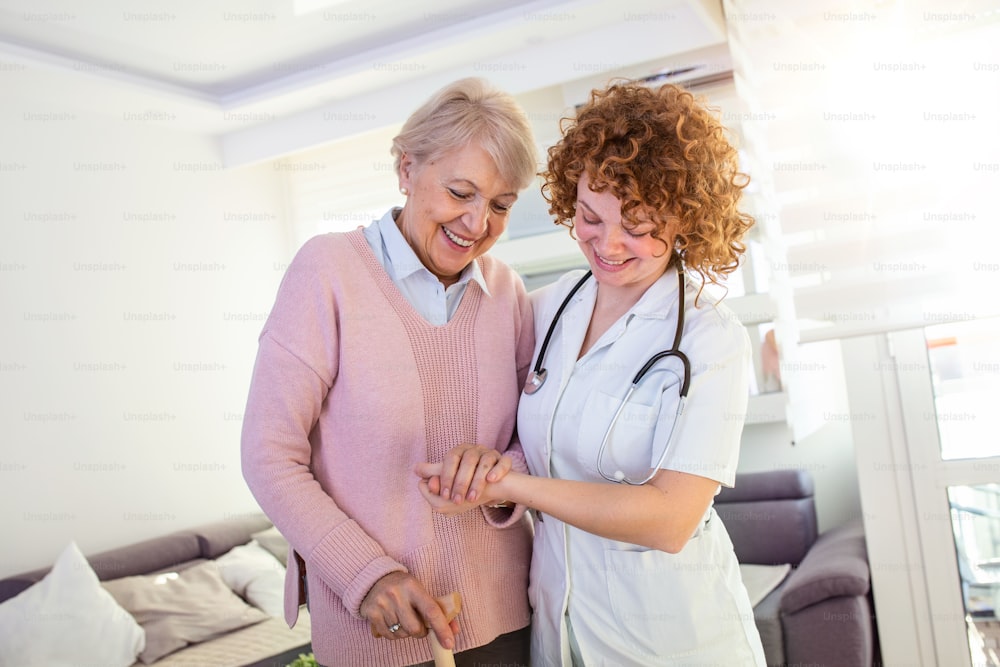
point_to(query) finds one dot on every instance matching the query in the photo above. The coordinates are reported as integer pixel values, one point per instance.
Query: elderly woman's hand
(465, 471)
(398, 606)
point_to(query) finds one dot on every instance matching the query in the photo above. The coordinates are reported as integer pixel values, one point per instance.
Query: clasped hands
(467, 477)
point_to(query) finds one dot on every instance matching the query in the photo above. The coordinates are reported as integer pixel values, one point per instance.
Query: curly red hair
(666, 156)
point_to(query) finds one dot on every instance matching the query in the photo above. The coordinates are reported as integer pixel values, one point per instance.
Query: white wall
(827, 454)
(825, 447)
(135, 274)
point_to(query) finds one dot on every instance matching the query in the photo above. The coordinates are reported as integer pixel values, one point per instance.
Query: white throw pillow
(256, 575)
(68, 619)
(273, 541)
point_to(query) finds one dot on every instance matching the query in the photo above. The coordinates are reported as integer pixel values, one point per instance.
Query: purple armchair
(822, 612)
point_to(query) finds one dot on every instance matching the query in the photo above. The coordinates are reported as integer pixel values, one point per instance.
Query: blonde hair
(471, 110)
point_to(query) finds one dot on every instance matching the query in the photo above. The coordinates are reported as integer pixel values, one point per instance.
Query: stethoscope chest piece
(535, 381)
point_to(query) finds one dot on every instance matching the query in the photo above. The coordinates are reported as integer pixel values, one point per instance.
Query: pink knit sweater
(350, 389)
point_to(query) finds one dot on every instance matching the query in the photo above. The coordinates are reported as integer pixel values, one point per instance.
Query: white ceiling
(279, 66)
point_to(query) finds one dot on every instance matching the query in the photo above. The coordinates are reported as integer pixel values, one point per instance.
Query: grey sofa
(266, 644)
(822, 613)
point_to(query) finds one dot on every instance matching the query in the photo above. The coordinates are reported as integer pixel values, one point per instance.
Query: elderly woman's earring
(404, 191)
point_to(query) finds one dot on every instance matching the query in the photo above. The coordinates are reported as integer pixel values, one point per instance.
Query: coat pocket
(629, 447)
(663, 602)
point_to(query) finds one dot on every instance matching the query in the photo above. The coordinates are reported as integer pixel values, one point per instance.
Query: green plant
(304, 660)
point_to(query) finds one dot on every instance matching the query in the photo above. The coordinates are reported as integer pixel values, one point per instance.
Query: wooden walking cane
(451, 605)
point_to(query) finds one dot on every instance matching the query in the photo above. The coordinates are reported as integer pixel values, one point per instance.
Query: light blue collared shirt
(420, 287)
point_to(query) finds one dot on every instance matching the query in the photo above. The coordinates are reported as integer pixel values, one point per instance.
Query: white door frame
(931, 478)
(902, 608)
(903, 483)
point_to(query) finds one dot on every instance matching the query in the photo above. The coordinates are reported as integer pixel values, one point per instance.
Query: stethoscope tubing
(538, 374)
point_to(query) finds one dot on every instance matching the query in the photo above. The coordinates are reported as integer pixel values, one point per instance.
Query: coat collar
(657, 302)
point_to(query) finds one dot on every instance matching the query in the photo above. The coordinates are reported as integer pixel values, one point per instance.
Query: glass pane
(975, 519)
(965, 367)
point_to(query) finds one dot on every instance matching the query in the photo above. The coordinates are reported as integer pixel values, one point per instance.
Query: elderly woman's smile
(457, 208)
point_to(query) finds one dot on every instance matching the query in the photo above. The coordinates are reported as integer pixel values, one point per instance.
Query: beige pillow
(180, 608)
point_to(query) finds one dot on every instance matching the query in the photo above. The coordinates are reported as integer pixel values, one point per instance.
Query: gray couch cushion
(789, 483)
(770, 532)
(770, 516)
(17, 584)
(838, 631)
(152, 555)
(147, 556)
(836, 566)
(219, 537)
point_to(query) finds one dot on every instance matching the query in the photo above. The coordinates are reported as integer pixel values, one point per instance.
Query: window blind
(873, 131)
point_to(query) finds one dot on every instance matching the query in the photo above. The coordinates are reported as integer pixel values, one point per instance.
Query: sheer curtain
(873, 131)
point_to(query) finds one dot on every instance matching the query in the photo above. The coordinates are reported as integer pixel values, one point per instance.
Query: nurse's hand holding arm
(661, 514)
(466, 469)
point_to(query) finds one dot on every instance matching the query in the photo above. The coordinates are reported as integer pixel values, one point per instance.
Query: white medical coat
(630, 605)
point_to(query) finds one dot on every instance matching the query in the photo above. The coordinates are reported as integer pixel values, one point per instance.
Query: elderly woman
(388, 346)
(631, 420)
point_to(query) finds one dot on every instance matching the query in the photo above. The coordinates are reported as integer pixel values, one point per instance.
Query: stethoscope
(538, 374)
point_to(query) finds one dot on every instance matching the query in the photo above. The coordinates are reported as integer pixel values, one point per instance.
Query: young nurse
(631, 565)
